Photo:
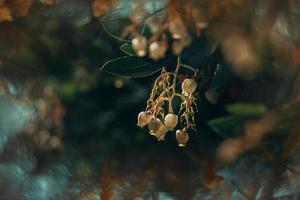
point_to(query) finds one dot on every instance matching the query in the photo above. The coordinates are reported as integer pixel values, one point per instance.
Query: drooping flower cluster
(159, 114)
(157, 45)
(167, 30)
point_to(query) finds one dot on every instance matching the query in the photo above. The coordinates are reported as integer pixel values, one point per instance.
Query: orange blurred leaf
(5, 14)
(48, 2)
(101, 7)
(19, 8)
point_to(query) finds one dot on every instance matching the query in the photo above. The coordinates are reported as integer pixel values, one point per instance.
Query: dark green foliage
(126, 48)
(221, 77)
(101, 111)
(226, 126)
(246, 110)
(130, 66)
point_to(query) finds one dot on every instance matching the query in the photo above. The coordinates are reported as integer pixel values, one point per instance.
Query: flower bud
(154, 51)
(139, 44)
(182, 138)
(177, 28)
(171, 121)
(161, 133)
(188, 86)
(154, 125)
(177, 47)
(163, 48)
(143, 119)
(201, 24)
(212, 96)
(141, 53)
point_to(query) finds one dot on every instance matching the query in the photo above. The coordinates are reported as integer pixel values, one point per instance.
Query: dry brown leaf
(209, 178)
(48, 2)
(19, 8)
(107, 180)
(5, 14)
(292, 142)
(296, 56)
(101, 7)
(217, 7)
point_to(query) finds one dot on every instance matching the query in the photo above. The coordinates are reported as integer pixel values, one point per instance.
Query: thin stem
(180, 95)
(111, 34)
(142, 23)
(174, 84)
(240, 190)
(176, 75)
(189, 67)
(170, 106)
(158, 79)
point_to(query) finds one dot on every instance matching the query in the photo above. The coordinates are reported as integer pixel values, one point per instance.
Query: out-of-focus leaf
(246, 109)
(202, 50)
(131, 66)
(225, 126)
(5, 14)
(101, 7)
(117, 20)
(19, 8)
(222, 76)
(126, 48)
(48, 2)
(292, 142)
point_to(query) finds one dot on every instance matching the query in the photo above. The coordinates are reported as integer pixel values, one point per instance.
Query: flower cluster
(157, 45)
(156, 50)
(151, 27)
(159, 114)
(167, 29)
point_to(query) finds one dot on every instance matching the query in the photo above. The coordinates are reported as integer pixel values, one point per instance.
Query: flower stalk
(160, 105)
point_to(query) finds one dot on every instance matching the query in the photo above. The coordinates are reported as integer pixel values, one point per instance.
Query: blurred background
(68, 130)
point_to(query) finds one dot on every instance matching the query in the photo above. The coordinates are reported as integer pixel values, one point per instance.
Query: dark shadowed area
(68, 119)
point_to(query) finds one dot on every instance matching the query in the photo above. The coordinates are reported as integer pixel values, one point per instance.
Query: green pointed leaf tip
(222, 76)
(246, 109)
(126, 48)
(130, 67)
(225, 126)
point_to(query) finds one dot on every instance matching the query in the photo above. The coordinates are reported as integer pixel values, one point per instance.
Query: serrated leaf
(126, 48)
(246, 109)
(225, 126)
(130, 66)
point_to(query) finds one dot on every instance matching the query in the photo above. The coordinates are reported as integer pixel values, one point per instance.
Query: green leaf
(130, 66)
(126, 48)
(225, 126)
(246, 109)
(222, 76)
